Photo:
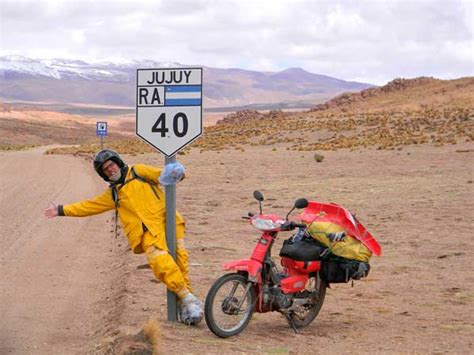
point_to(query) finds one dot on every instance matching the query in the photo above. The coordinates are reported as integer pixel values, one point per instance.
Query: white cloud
(373, 41)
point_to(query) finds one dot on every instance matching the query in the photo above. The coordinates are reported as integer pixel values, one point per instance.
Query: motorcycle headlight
(265, 224)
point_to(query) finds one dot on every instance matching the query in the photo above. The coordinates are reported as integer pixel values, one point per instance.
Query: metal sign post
(101, 131)
(169, 117)
(170, 196)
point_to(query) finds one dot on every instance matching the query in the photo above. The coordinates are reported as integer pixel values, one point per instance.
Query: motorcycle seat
(306, 249)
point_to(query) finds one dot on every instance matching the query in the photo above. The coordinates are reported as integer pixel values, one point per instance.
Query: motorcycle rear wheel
(304, 315)
(223, 315)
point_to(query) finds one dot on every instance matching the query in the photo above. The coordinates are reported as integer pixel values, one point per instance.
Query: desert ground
(70, 287)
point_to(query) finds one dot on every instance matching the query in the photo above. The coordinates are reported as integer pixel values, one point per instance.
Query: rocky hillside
(404, 112)
(413, 94)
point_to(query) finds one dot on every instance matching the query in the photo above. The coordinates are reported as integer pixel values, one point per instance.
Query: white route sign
(169, 107)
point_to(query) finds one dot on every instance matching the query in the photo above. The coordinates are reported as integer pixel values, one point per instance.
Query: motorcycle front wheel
(305, 314)
(229, 305)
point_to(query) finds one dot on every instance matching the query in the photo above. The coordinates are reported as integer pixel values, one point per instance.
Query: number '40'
(160, 125)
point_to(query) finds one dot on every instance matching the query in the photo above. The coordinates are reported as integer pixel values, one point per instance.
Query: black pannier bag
(337, 270)
(334, 269)
(303, 249)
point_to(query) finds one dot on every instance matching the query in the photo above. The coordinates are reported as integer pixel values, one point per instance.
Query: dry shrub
(146, 342)
(368, 127)
(151, 329)
(318, 157)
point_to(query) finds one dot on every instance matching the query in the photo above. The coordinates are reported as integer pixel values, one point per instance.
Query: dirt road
(54, 274)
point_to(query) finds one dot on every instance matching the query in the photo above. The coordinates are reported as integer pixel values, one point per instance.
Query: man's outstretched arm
(96, 205)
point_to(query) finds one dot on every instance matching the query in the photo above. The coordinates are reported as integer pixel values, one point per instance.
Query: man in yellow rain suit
(140, 203)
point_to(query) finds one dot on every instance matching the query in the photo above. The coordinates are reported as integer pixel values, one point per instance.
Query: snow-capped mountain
(113, 83)
(64, 68)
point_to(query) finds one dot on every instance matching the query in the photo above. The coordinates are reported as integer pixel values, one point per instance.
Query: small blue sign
(101, 128)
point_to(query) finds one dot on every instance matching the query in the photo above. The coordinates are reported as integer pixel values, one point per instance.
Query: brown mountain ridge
(403, 112)
(399, 94)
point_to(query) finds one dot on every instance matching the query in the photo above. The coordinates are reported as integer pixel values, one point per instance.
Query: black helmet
(104, 155)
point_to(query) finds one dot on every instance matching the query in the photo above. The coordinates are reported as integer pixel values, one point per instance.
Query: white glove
(171, 174)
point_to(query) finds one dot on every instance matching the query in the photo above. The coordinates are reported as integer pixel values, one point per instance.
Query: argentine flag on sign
(186, 95)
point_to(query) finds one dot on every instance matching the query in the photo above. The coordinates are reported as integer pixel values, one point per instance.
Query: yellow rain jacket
(139, 207)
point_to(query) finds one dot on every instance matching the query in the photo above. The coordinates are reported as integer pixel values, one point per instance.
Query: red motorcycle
(298, 289)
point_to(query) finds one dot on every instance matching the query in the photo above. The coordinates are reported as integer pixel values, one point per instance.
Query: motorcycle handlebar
(290, 225)
(287, 226)
(249, 215)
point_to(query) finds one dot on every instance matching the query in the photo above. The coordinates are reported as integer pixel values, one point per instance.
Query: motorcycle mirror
(301, 203)
(258, 196)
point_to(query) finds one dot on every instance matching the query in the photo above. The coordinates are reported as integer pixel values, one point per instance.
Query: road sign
(101, 128)
(169, 116)
(169, 107)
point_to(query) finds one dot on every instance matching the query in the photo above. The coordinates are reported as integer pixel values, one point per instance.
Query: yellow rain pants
(173, 274)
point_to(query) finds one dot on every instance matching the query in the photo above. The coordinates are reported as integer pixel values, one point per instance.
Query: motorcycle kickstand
(292, 323)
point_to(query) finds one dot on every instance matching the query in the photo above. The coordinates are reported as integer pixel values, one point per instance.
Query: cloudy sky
(369, 41)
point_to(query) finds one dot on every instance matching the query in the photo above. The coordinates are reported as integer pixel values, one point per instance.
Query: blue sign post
(101, 131)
